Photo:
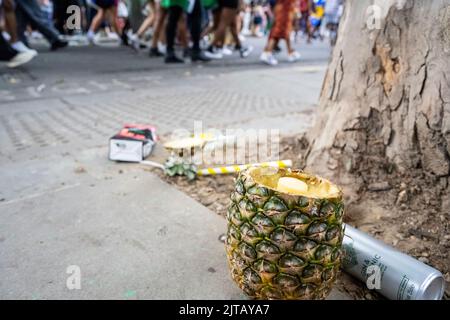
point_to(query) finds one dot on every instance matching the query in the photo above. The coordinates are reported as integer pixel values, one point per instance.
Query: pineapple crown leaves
(178, 166)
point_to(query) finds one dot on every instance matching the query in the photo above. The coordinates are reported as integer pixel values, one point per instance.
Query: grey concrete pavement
(128, 236)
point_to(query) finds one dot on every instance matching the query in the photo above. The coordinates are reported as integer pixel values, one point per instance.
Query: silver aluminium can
(395, 275)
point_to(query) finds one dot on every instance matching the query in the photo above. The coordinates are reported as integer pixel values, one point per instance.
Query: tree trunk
(384, 114)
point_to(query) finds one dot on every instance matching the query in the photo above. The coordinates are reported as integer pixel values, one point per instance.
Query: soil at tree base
(398, 220)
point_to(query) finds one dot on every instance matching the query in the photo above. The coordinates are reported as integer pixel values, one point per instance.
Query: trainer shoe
(268, 58)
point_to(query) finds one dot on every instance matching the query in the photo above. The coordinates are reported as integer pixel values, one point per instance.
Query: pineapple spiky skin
(283, 246)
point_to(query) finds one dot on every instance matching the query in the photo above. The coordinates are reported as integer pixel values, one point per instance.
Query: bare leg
(183, 32)
(227, 17)
(111, 15)
(160, 21)
(148, 22)
(270, 45)
(10, 20)
(97, 20)
(289, 45)
(213, 27)
(238, 22)
(234, 27)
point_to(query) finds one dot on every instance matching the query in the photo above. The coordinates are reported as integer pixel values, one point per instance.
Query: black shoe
(154, 52)
(172, 58)
(199, 57)
(277, 49)
(125, 40)
(59, 44)
(186, 53)
(213, 53)
(244, 51)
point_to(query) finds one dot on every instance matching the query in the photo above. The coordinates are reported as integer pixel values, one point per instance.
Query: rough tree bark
(384, 114)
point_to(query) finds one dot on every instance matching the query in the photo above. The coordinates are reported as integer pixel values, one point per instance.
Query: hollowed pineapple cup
(283, 245)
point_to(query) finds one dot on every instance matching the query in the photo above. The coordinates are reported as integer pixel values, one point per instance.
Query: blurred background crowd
(175, 30)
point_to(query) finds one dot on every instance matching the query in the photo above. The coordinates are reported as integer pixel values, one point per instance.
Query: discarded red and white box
(133, 143)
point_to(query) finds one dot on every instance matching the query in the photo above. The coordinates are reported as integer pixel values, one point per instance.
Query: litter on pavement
(133, 143)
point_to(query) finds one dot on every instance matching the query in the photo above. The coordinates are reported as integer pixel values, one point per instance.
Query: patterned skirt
(284, 19)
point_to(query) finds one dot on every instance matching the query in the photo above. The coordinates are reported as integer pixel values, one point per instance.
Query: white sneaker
(6, 34)
(19, 46)
(162, 48)
(226, 51)
(259, 34)
(294, 56)
(91, 37)
(134, 41)
(204, 42)
(268, 58)
(112, 36)
(245, 51)
(20, 59)
(36, 35)
(214, 53)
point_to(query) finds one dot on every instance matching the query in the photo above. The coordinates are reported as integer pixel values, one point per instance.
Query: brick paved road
(67, 106)
(56, 115)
